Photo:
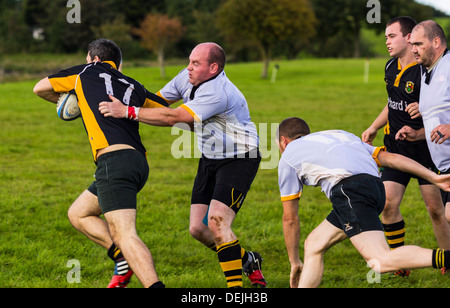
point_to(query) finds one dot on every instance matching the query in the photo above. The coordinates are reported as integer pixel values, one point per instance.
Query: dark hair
(432, 29)
(106, 50)
(293, 128)
(406, 24)
(217, 55)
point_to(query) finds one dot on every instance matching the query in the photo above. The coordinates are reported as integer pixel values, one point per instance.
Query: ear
(408, 37)
(97, 59)
(283, 143)
(436, 42)
(214, 68)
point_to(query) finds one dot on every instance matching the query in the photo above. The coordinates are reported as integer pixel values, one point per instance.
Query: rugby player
(218, 113)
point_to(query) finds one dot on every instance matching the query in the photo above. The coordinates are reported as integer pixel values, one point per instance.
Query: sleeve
(173, 91)
(154, 101)
(65, 80)
(290, 185)
(205, 105)
(374, 151)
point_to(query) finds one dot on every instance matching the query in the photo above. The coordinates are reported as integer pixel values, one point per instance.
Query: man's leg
(391, 217)
(84, 215)
(122, 224)
(372, 246)
(433, 201)
(322, 238)
(220, 219)
(198, 229)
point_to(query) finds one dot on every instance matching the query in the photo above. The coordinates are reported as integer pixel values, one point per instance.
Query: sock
(156, 285)
(231, 262)
(116, 255)
(213, 247)
(244, 256)
(441, 258)
(395, 234)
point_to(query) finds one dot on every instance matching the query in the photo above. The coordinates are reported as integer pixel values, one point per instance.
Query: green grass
(46, 163)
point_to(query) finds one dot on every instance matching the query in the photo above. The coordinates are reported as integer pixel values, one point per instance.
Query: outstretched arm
(405, 164)
(153, 116)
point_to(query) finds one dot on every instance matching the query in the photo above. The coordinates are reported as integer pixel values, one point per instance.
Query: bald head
(206, 61)
(428, 41)
(215, 54)
(432, 30)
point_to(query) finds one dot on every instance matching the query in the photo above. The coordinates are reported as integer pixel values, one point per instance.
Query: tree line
(248, 29)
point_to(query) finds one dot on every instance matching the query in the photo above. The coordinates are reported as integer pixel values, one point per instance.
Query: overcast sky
(443, 5)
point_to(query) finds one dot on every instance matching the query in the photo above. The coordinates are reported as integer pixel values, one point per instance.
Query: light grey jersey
(222, 119)
(323, 159)
(435, 109)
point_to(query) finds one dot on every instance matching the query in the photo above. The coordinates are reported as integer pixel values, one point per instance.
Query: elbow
(36, 90)
(290, 220)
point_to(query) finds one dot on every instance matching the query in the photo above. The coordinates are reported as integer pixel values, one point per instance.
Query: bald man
(215, 109)
(430, 49)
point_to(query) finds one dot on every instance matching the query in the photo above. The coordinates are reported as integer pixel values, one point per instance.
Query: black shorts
(120, 175)
(357, 203)
(226, 180)
(416, 151)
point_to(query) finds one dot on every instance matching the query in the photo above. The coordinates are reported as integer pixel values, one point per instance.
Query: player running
(113, 141)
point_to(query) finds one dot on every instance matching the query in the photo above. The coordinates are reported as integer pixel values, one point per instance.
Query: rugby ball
(67, 107)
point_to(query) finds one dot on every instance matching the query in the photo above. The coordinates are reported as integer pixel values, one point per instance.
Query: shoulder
(391, 63)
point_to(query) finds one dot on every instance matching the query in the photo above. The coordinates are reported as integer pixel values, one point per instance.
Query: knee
(313, 246)
(74, 217)
(197, 230)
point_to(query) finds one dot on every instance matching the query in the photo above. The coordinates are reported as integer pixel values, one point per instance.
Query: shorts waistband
(115, 153)
(359, 176)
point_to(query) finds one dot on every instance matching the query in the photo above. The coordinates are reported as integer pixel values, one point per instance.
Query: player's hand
(369, 135)
(413, 110)
(443, 182)
(409, 134)
(296, 269)
(440, 133)
(114, 109)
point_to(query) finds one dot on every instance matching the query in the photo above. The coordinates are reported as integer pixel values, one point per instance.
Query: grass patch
(46, 163)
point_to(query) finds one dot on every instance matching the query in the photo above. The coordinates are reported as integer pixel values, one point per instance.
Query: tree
(267, 23)
(157, 32)
(340, 23)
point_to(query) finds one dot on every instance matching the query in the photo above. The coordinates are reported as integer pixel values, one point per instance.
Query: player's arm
(370, 133)
(45, 90)
(405, 164)
(291, 230)
(153, 116)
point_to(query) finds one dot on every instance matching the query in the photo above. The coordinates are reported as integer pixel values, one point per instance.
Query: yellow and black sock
(116, 255)
(441, 258)
(230, 258)
(395, 234)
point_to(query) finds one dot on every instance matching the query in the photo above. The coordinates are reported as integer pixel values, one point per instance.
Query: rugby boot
(121, 278)
(252, 269)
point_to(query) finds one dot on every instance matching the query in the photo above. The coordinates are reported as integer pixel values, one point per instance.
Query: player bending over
(347, 171)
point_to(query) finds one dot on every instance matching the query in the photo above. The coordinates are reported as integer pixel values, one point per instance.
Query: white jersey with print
(222, 119)
(323, 159)
(434, 107)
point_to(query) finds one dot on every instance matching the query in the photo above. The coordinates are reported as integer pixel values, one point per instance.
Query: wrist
(133, 113)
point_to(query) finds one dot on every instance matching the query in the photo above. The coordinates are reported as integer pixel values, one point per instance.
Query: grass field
(45, 163)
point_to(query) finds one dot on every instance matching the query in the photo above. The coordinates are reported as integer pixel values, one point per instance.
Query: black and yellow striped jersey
(403, 88)
(92, 83)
